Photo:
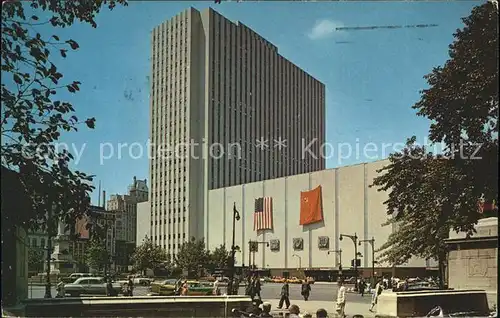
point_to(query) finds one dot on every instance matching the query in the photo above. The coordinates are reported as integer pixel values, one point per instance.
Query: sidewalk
(312, 306)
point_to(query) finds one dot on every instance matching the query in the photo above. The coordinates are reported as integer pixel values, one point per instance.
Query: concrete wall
(349, 206)
(143, 222)
(473, 269)
(473, 262)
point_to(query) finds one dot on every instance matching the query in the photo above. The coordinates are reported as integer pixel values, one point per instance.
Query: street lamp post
(354, 239)
(339, 253)
(50, 231)
(372, 243)
(300, 260)
(236, 217)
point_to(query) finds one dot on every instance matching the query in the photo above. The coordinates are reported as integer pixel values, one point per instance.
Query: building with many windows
(124, 208)
(226, 109)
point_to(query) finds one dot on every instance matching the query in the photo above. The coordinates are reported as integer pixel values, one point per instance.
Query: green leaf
(90, 123)
(55, 37)
(17, 79)
(73, 44)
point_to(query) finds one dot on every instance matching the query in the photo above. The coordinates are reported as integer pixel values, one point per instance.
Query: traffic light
(358, 263)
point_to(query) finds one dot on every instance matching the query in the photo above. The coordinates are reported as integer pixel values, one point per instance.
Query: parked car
(163, 288)
(90, 286)
(294, 280)
(144, 281)
(422, 286)
(195, 288)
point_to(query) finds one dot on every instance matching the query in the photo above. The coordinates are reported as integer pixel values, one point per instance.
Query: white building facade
(143, 222)
(219, 86)
(350, 206)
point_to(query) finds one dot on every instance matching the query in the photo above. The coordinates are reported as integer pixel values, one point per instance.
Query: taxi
(164, 287)
(168, 288)
(294, 280)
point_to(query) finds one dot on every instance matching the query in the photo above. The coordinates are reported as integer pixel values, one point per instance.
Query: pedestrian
(285, 295)
(236, 286)
(257, 286)
(376, 292)
(362, 287)
(341, 299)
(125, 289)
(321, 313)
(109, 287)
(178, 286)
(216, 290)
(61, 293)
(294, 311)
(130, 286)
(248, 287)
(184, 289)
(405, 284)
(305, 289)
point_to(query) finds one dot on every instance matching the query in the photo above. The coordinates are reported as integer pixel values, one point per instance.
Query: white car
(144, 281)
(90, 286)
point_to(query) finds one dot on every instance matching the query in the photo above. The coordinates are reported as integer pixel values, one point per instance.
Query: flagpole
(236, 217)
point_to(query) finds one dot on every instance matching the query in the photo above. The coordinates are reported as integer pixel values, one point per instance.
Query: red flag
(311, 210)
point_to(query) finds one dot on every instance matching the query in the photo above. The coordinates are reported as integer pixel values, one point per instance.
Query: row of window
(170, 221)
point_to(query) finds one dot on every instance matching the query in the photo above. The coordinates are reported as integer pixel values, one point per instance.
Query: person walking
(376, 292)
(131, 286)
(248, 287)
(305, 289)
(362, 287)
(184, 289)
(109, 287)
(216, 290)
(285, 295)
(61, 292)
(341, 299)
(236, 286)
(257, 287)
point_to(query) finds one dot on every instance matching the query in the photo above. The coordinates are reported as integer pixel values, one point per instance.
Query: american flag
(263, 216)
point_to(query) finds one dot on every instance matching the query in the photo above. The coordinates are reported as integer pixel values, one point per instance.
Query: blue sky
(372, 77)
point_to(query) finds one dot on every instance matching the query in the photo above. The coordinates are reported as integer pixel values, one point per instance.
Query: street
(319, 292)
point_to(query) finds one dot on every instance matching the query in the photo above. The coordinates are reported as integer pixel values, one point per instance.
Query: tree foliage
(150, 256)
(192, 255)
(422, 205)
(33, 116)
(430, 194)
(219, 257)
(462, 103)
(35, 259)
(96, 254)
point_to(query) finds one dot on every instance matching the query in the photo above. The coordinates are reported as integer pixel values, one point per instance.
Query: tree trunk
(441, 266)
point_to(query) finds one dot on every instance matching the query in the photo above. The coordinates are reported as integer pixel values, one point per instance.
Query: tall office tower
(248, 113)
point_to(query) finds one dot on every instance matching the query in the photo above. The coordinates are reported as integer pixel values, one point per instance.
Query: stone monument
(472, 261)
(61, 259)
